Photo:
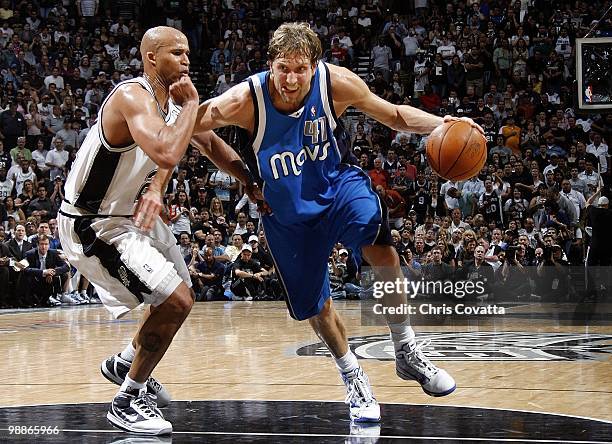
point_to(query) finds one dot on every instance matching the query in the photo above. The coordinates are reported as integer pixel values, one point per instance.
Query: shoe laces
(146, 405)
(358, 386)
(416, 357)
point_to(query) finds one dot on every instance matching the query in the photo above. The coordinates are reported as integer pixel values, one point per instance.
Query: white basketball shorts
(127, 266)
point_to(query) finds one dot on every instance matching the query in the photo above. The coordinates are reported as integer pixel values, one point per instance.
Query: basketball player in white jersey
(144, 123)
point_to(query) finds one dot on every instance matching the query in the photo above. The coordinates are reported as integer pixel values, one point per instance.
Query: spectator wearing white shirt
(345, 42)
(6, 184)
(45, 107)
(411, 44)
(252, 207)
(20, 173)
(68, 134)
(363, 19)
(599, 150)
(55, 78)
(456, 222)
(39, 155)
(475, 186)
(590, 177)
(451, 199)
(223, 185)
(57, 158)
(114, 29)
(446, 50)
(575, 197)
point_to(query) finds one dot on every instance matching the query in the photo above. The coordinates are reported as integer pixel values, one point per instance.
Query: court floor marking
(277, 384)
(328, 401)
(329, 435)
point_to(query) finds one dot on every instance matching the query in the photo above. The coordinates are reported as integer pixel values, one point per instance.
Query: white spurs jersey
(108, 180)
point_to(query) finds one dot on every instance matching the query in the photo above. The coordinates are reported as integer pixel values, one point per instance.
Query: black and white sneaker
(135, 411)
(115, 369)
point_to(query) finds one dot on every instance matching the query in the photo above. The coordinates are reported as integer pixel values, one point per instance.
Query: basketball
(456, 150)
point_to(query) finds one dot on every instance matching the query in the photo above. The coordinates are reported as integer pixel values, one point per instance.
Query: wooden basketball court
(253, 351)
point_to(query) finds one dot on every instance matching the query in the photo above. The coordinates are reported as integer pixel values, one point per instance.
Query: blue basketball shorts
(300, 251)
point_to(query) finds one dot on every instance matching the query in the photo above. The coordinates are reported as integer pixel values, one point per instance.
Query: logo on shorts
(484, 346)
(123, 276)
(146, 267)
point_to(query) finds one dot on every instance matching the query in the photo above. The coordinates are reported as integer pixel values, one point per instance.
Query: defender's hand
(148, 208)
(183, 91)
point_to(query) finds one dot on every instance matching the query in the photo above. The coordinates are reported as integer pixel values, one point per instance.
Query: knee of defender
(179, 303)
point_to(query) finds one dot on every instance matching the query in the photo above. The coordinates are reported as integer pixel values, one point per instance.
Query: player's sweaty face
(173, 59)
(291, 77)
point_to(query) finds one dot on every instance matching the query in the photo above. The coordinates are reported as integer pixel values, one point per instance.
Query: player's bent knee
(179, 303)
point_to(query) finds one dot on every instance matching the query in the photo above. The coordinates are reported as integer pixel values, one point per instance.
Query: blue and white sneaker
(115, 369)
(135, 411)
(412, 364)
(363, 406)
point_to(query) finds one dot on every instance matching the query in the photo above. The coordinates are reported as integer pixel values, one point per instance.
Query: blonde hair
(295, 39)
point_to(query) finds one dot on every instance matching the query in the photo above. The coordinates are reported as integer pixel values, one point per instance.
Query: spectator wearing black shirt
(210, 274)
(248, 276)
(12, 125)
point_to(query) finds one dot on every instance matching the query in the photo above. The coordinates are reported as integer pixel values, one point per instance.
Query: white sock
(128, 352)
(401, 334)
(347, 363)
(129, 383)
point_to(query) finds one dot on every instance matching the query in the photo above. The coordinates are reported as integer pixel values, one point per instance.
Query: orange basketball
(456, 150)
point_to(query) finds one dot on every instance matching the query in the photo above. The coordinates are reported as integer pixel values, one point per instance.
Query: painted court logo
(485, 346)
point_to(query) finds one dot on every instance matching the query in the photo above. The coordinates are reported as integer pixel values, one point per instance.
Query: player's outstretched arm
(233, 107)
(164, 144)
(349, 89)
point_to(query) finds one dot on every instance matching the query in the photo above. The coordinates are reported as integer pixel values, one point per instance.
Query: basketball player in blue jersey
(299, 153)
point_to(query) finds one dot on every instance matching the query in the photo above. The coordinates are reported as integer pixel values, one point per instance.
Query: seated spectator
(233, 251)
(248, 279)
(46, 273)
(209, 273)
(395, 204)
(41, 207)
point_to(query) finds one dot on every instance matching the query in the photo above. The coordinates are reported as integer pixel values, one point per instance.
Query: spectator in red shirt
(395, 204)
(430, 100)
(378, 175)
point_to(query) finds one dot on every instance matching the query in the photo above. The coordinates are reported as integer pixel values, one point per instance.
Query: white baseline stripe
(328, 401)
(329, 435)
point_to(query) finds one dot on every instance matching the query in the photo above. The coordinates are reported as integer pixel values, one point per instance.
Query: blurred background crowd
(528, 223)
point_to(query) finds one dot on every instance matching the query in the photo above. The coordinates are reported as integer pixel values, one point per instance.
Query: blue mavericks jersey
(298, 155)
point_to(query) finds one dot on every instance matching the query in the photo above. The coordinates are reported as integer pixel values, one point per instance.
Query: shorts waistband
(69, 210)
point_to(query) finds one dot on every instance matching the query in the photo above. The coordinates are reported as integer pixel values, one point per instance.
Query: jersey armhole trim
(260, 116)
(256, 112)
(328, 100)
(105, 142)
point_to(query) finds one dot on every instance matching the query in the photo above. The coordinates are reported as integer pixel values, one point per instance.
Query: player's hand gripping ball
(457, 149)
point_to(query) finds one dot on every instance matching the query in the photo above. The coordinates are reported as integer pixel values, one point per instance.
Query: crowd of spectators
(507, 64)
